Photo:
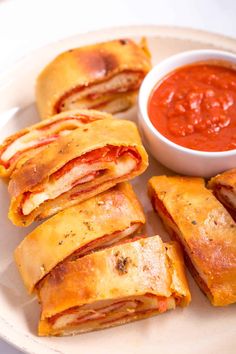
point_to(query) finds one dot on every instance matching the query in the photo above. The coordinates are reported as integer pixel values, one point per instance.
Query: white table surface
(28, 24)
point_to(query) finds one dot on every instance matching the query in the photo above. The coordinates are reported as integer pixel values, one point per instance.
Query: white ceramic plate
(200, 328)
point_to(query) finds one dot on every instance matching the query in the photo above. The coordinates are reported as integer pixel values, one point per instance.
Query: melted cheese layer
(36, 137)
(99, 93)
(95, 315)
(79, 174)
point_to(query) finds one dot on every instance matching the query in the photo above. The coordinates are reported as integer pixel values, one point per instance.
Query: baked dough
(76, 167)
(21, 146)
(114, 286)
(104, 76)
(194, 217)
(97, 222)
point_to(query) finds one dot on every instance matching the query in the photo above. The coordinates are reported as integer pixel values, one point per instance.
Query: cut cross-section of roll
(76, 167)
(21, 146)
(224, 188)
(127, 282)
(104, 76)
(95, 223)
(194, 217)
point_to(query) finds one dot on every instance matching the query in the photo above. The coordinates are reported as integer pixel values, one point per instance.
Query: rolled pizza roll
(104, 76)
(127, 282)
(194, 217)
(76, 167)
(224, 188)
(26, 143)
(95, 223)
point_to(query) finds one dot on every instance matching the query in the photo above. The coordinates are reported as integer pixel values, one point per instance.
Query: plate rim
(177, 32)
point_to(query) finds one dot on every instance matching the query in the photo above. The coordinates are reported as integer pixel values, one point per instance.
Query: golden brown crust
(179, 281)
(98, 134)
(82, 140)
(131, 269)
(83, 114)
(205, 229)
(71, 230)
(85, 66)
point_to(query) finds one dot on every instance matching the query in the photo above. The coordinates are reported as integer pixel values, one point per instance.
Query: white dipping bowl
(176, 157)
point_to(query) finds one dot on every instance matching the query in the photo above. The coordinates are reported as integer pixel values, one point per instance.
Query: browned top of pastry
(87, 65)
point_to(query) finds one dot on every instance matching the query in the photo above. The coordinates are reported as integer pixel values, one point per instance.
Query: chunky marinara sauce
(195, 106)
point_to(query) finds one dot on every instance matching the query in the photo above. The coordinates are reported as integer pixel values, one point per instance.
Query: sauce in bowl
(195, 107)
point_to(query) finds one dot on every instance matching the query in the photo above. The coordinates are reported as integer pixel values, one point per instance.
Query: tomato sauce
(195, 106)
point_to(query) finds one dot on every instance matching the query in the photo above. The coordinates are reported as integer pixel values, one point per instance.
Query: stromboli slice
(206, 230)
(97, 222)
(21, 146)
(104, 76)
(76, 167)
(114, 286)
(224, 188)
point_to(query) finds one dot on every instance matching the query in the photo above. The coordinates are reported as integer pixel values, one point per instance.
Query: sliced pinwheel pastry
(21, 146)
(127, 282)
(76, 167)
(97, 222)
(195, 218)
(104, 76)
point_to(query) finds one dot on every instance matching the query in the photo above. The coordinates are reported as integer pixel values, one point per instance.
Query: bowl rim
(146, 88)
